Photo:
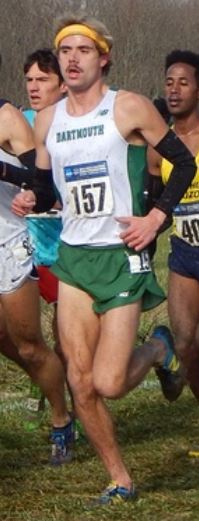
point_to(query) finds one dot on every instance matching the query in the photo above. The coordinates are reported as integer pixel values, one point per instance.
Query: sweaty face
(80, 62)
(181, 89)
(43, 88)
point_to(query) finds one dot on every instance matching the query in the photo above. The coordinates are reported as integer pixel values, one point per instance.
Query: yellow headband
(75, 29)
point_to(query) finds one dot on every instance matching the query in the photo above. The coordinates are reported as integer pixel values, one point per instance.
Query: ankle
(61, 423)
(124, 482)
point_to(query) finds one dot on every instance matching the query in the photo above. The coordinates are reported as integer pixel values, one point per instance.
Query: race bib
(22, 250)
(89, 189)
(187, 228)
(139, 263)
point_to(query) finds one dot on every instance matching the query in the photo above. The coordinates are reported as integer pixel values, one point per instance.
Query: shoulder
(132, 110)
(7, 107)
(7, 110)
(136, 113)
(132, 101)
(15, 133)
(135, 108)
(15, 129)
(11, 115)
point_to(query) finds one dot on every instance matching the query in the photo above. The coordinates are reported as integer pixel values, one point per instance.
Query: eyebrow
(68, 47)
(173, 77)
(43, 77)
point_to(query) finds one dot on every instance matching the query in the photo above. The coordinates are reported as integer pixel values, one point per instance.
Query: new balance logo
(103, 112)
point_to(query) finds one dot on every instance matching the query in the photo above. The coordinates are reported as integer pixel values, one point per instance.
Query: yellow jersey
(186, 213)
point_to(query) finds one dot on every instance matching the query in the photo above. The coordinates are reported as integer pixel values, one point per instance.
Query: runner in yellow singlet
(182, 95)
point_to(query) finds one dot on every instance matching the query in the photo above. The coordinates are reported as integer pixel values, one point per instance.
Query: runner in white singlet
(19, 295)
(96, 143)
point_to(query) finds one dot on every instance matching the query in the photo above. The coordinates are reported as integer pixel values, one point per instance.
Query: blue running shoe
(170, 373)
(114, 494)
(62, 439)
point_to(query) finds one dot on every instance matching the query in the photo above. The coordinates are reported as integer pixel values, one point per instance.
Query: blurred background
(144, 32)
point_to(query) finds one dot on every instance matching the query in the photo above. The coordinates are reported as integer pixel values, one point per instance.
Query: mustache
(74, 68)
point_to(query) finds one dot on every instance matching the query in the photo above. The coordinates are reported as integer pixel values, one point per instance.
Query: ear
(63, 88)
(104, 59)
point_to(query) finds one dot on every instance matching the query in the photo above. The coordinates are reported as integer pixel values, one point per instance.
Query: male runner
(19, 297)
(182, 95)
(95, 142)
(45, 86)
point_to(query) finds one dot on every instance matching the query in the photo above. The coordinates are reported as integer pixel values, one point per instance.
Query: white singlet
(15, 250)
(11, 225)
(90, 162)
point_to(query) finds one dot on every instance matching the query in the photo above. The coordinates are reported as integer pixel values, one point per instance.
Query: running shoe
(113, 495)
(62, 439)
(170, 374)
(194, 452)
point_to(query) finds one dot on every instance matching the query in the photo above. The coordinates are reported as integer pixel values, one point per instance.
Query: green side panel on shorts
(137, 167)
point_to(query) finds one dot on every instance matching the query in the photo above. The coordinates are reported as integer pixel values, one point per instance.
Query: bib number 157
(91, 199)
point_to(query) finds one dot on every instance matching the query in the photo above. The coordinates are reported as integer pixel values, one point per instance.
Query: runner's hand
(23, 203)
(140, 231)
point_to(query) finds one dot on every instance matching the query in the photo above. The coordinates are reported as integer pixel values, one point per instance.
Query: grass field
(154, 436)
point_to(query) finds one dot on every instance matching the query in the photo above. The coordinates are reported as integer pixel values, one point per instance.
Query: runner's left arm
(140, 231)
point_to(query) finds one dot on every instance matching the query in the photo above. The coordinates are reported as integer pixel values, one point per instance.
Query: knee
(80, 382)
(32, 351)
(110, 385)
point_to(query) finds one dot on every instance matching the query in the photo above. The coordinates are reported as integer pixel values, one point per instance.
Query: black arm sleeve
(183, 172)
(43, 188)
(36, 179)
(154, 189)
(28, 158)
(15, 175)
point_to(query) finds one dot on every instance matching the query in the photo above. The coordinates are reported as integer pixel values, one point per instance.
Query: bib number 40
(190, 231)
